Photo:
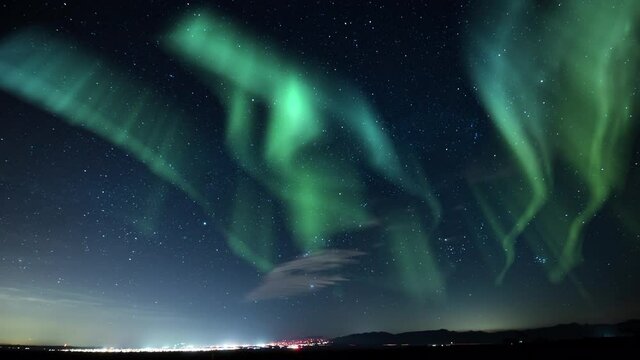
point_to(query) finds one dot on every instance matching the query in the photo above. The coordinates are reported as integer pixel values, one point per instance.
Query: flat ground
(600, 348)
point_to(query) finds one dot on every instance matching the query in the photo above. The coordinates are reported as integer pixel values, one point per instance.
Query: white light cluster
(164, 349)
(293, 345)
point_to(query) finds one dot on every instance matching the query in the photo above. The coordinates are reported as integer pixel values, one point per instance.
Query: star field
(248, 171)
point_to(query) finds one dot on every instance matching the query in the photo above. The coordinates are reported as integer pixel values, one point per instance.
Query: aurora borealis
(218, 171)
(293, 163)
(582, 93)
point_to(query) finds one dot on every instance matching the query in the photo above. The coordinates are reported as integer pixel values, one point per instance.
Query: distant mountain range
(437, 337)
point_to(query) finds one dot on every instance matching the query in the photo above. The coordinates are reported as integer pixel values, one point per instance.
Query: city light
(283, 344)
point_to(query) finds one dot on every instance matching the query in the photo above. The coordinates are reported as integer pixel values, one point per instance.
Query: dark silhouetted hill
(553, 333)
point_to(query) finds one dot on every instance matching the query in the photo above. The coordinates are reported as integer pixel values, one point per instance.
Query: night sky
(248, 171)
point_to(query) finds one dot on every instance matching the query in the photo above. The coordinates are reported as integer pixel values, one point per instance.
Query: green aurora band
(308, 142)
(291, 153)
(306, 146)
(559, 84)
(88, 92)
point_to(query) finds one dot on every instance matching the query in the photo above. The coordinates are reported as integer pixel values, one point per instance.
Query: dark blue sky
(97, 248)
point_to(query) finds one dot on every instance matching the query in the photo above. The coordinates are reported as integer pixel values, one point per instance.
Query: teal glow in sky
(208, 174)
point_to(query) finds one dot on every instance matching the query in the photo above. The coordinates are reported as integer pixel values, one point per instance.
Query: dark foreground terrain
(591, 348)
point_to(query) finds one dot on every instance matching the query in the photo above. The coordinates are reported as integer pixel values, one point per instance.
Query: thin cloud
(64, 300)
(305, 275)
(48, 297)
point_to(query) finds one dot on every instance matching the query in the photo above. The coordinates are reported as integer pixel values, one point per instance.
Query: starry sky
(247, 171)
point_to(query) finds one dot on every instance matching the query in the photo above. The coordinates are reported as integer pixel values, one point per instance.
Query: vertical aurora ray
(563, 105)
(251, 233)
(415, 264)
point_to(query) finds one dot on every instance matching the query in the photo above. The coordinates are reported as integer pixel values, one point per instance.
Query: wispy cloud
(48, 297)
(65, 300)
(305, 275)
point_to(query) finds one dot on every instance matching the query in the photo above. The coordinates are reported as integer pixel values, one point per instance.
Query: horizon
(222, 172)
(231, 345)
